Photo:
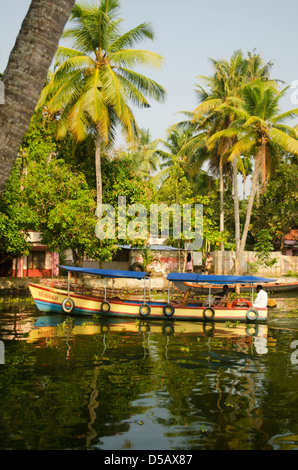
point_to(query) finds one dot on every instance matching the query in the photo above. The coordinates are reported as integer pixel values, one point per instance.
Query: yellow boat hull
(49, 299)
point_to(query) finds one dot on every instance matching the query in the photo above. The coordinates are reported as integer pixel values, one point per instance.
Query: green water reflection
(98, 384)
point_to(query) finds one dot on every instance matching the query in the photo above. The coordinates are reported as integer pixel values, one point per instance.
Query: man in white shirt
(261, 299)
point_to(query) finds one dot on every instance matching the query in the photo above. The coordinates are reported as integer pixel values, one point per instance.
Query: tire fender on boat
(208, 313)
(168, 310)
(145, 310)
(68, 305)
(252, 314)
(105, 307)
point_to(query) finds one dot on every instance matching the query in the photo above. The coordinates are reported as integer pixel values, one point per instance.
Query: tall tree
(260, 130)
(26, 73)
(93, 83)
(224, 85)
(145, 155)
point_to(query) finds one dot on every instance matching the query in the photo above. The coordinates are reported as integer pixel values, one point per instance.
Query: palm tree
(25, 74)
(93, 83)
(260, 131)
(225, 85)
(145, 155)
(178, 149)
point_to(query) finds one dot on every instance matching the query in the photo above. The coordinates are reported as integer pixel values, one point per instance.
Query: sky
(187, 34)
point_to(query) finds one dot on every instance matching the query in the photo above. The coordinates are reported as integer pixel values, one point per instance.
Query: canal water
(132, 385)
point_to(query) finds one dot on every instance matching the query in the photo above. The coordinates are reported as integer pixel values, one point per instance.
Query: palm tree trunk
(98, 167)
(221, 212)
(237, 218)
(26, 74)
(250, 204)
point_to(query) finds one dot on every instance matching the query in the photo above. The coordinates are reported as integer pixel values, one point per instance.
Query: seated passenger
(261, 300)
(222, 298)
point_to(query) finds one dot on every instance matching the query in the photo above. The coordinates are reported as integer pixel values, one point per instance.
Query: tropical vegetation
(69, 162)
(94, 82)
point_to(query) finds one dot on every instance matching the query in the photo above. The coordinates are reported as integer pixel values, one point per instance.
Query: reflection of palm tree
(93, 84)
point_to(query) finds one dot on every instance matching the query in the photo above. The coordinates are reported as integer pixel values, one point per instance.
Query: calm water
(97, 384)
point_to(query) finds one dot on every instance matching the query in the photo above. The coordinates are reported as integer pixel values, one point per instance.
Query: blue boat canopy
(212, 279)
(106, 272)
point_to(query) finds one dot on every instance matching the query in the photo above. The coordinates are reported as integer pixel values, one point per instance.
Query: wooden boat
(50, 299)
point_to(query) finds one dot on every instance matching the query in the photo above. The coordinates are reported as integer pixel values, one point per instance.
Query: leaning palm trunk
(221, 212)
(98, 168)
(237, 219)
(26, 74)
(250, 203)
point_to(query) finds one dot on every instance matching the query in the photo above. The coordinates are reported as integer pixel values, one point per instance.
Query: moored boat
(50, 299)
(200, 288)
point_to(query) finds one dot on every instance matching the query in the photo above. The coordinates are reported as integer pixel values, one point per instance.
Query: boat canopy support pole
(144, 291)
(209, 295)
(169, 292)
(68, 283)
(105, 289)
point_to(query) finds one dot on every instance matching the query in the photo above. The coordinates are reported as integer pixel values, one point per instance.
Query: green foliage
(278, 207)
(47, 194)
(15, 218)
(178, 190)
(264, 247)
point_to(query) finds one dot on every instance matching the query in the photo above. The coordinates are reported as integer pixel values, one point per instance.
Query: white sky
(188, 33)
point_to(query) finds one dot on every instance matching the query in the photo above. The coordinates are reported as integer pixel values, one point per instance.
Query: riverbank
(19, 286)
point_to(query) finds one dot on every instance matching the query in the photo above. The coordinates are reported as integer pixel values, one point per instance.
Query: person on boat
(261, 300)
(208, 263)
(223, 297)
(225, 292)
(189, 265)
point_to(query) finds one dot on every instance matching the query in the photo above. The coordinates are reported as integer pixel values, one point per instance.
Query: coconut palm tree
(178, 149)
(26, 73)
(226, 83)
(261, 131)
(145, 155)
(94, 83)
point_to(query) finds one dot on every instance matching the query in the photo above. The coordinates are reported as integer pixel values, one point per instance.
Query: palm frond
(135, 35)
(283, 140)
(133, 57)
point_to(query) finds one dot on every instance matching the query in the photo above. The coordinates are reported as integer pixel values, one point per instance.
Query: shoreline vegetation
(14, 285)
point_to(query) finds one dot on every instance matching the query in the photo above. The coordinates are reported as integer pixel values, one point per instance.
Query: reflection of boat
(203, 289)
(56, 326)
(50, 299)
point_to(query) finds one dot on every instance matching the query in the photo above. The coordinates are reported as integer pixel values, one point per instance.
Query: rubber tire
(208, 317)
(167, 330)
(68, 301)
(142, 313)
(255, 312)
(172, 310)
(103, 310)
